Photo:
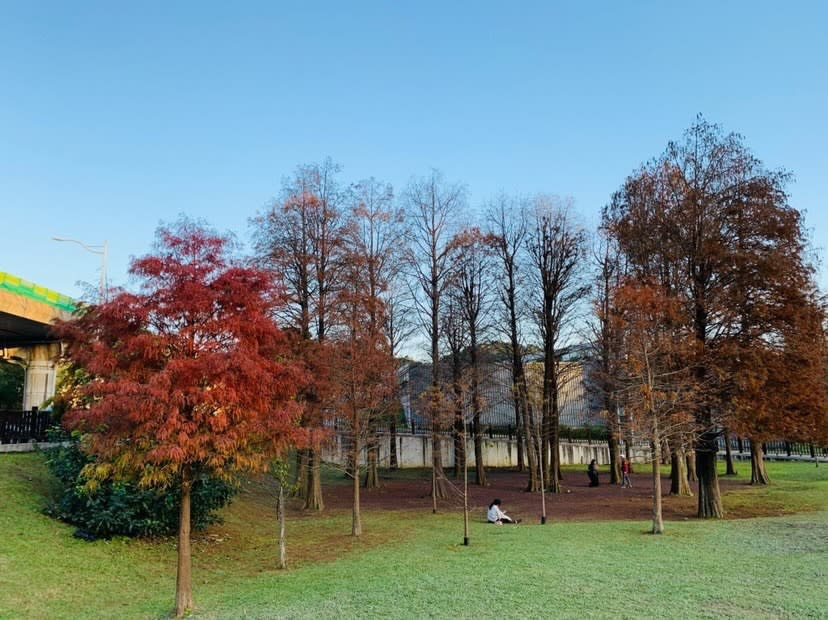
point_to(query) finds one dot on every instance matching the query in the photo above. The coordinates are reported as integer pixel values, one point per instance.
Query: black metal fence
(420, 426)
(779, 447)
(24, 426)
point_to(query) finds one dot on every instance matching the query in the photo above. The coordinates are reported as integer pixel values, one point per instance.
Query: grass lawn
(410, 564)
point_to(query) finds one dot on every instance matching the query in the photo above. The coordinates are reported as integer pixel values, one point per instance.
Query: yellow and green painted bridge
(27, 312)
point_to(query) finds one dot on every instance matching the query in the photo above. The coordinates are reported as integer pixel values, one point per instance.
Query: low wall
(415, 451)
(29, 446)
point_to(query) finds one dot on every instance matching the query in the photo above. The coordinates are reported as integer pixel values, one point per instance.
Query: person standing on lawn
(625, 473)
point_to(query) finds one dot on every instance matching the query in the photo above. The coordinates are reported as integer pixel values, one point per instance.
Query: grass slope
(412, 565)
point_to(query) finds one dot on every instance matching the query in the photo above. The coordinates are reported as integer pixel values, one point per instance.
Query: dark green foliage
(593, 433)
(121, 508)
(11, 385)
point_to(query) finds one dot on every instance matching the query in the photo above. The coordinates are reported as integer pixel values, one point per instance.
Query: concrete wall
(415, 451)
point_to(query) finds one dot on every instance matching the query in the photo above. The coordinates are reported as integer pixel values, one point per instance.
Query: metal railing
(777, 447)
(24, 426)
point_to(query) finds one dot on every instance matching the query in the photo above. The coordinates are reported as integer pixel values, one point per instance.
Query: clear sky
(115, 116)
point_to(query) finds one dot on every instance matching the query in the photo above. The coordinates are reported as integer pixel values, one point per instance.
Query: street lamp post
(102, 250)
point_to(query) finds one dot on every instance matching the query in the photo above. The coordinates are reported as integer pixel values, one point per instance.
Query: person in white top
(497, 516)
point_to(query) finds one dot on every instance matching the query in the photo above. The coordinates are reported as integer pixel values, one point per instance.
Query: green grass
(412, 565)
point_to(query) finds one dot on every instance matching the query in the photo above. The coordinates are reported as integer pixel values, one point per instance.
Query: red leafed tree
(190, 375)
(362, 370)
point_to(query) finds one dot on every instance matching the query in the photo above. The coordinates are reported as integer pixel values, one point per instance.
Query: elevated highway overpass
(26, 314)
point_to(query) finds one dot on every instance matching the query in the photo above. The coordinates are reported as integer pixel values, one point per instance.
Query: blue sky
(116, 116)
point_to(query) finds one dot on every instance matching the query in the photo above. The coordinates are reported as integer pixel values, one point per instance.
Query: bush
(122, 508)
(593, 433)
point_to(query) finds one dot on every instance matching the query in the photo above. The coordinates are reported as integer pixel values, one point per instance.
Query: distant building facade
(578, 403)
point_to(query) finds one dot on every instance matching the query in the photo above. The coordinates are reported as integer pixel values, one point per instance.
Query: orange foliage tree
(655, 383)
(362, 370)
(362, 377)
(711, 224)
(190, 375)
(300, 239)
(778, 389)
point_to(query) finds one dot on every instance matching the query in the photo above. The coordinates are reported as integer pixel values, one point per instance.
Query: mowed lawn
(412, 564)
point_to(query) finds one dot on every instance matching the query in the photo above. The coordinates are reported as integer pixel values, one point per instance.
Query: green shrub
(593, 433)
(122, 508)
(11, 385)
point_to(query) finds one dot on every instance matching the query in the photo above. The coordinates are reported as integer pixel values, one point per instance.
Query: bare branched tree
(508, 226)
(431, 206)
(558, 249)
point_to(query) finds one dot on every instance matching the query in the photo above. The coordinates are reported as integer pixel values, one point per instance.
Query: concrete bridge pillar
(41, 372)
(38, 384)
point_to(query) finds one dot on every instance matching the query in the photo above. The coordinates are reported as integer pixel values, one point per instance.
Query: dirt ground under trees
(577, 502)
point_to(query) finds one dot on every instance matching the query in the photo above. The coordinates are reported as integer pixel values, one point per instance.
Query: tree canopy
(712, 226)
(188, 376)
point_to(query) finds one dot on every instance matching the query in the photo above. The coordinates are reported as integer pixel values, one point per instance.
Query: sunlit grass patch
(412, 564)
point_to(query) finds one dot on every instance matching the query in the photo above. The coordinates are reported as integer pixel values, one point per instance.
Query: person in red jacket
(625, 473)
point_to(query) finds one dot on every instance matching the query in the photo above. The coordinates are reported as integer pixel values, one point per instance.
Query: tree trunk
(552, 468)
(438, 487)
(280, 517)
(614, 458)
(184, 579)
(533, 454)
(691, 466)
(529, 427)
(372, 460)
(665, 452)
(730, 468)
(459, 432)
(658, 522)
(519, 442)
(555, 475)
(347, 448)
(392, 447)
(313, 489)
(479, 465)
(710, 499)
(758, 474)
(459, 448)
(519, 390)
(356, 521)
(302, 465)
(679, 483)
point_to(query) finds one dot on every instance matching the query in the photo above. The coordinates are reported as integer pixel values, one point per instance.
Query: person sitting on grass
(592, 472)
(497, 516)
